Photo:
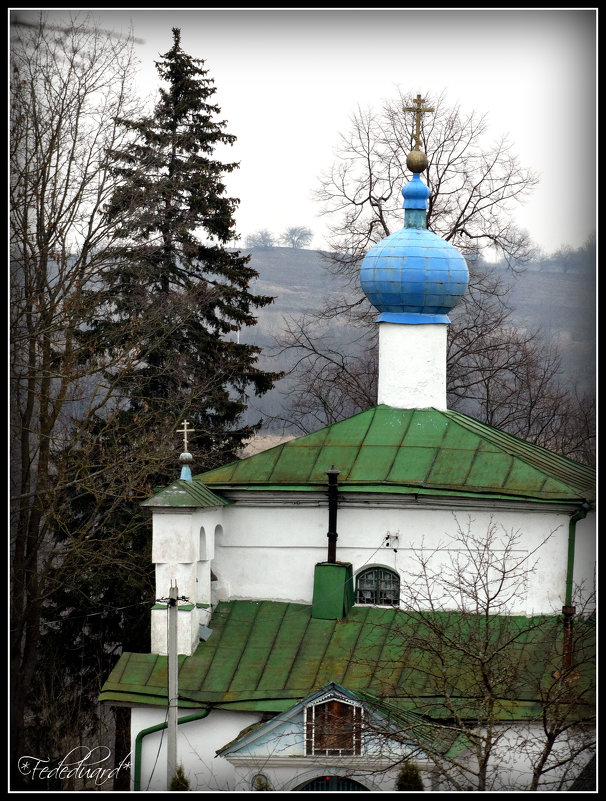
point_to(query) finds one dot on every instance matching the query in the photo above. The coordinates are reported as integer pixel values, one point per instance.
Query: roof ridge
(522, 447)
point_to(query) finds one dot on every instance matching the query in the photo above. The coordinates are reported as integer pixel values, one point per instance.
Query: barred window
(333, 728)
(379, 586)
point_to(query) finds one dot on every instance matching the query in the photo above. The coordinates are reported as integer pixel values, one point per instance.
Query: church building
(328, 597)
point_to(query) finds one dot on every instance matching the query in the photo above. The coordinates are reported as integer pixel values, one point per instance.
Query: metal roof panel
(299, 461)
(373, 458)
(388, 429)
(412, 465)
(427, 429)
(451, 467)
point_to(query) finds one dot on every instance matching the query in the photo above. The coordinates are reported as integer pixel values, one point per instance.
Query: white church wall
(172, 536)
(197, 743)
(205, 523)
(183, 538)
(519, 746)
(183, 549)
(517, 751)
(270, 553)
(429, 533)
(188, 627)
(182, 574)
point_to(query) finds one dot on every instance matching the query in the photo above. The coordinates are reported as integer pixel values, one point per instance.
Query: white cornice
(368, 762)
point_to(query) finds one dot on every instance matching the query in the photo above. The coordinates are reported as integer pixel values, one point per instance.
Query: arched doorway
(332, 783)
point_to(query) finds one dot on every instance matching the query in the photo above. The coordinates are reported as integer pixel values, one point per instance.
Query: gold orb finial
(416, 161)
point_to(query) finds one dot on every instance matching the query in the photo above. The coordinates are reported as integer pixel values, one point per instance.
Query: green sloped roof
(423, 451)
(186, 494)
(266, 655)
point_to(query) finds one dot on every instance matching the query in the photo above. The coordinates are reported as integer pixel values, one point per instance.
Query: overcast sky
(289, 80)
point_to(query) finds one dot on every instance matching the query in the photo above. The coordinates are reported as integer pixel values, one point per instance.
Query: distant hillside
(563, 307)
(559, 301)
(295, 277)
(560, 304)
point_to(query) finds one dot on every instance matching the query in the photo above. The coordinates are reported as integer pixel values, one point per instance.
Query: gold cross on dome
(185, 431)
(418, 110)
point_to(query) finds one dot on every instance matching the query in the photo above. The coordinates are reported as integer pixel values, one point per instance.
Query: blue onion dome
(414, 276)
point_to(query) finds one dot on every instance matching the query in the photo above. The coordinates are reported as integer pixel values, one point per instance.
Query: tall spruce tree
(167, 310)
(176, 292)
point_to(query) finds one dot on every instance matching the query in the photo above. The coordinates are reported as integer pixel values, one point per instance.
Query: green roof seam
(319, 452)
(350, 660)
(301, 648)
(247, 640)
(322, 659)
(402, 438)
(361, 444)
(273, 641)
(521, 448)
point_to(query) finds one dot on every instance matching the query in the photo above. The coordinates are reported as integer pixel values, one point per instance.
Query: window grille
(379, 586)
(333, 728)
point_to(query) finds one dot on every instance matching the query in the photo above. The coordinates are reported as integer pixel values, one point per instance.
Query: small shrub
(409, 778)
(260, 782)
(179, 780)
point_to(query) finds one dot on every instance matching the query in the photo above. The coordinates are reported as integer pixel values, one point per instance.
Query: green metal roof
(266, 655)
(422, 451)
(187, 494)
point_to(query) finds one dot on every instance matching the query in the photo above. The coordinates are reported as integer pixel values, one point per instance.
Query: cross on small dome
(185, 458)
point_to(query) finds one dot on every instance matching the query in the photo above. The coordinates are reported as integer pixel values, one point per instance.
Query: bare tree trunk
(67, 89)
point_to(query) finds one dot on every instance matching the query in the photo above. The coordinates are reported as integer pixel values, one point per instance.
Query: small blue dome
(415, 193)
(413, 275)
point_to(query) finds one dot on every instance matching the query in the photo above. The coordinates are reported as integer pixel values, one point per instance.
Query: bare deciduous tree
(503, 375)
(499, 700)
(298, 236)
(329, 379)
(510, 377)
(261, 239)
(67, 90)
(96, 393)
(474, 184)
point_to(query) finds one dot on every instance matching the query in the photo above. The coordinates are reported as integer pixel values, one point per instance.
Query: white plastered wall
(412, 365)
(585, 560)
(197, 743)
(270, 553)
(183, 549)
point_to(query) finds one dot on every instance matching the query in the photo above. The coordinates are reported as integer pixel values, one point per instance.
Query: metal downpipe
(158, 727)
(568, 609)
(572, 526)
